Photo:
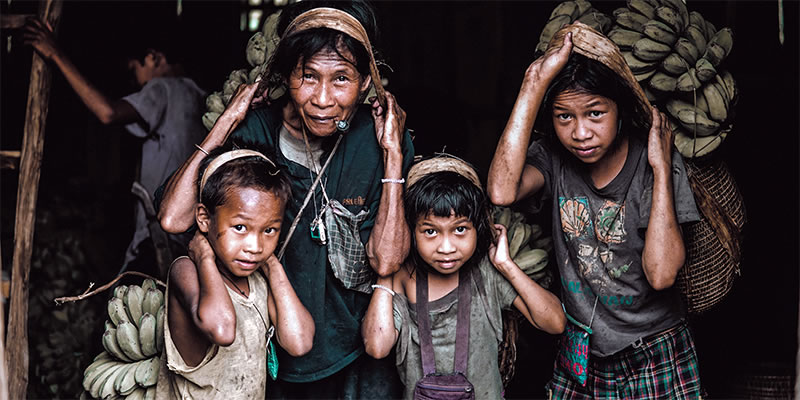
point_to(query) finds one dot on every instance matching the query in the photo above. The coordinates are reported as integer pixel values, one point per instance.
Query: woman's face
(586, 125)
(325, 89)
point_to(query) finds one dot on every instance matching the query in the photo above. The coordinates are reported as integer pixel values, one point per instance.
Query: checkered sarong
(664, 366)
(345, 250)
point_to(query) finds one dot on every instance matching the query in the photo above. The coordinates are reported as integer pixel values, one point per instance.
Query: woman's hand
(546, 67)
(498, 251)
(659, 142)
(200, 249)
(40, 36)
(241, 101)
(389, 123)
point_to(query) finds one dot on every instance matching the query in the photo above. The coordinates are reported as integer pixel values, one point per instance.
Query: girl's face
(326, 89)
(244, 231)
(445, 243)
(586, 125)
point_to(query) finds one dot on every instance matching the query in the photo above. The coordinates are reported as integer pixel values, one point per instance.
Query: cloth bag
(435, 386)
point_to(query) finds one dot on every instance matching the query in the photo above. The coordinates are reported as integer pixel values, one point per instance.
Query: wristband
(202, 150)
(384, 288)
(387, 180)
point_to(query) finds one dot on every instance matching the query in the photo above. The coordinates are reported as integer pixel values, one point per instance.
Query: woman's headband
(338, 20)
(442, 162)
(227, 157)
(592, 44)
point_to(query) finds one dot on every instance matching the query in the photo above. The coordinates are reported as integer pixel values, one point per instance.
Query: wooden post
(27, 192)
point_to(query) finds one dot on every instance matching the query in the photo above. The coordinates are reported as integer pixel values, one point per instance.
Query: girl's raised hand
(199, 248)
(659, 142)
(498, 252)
(546, 67)
(389, 123)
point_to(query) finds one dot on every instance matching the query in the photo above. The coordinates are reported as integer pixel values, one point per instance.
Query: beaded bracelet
(384, 288)
(387, 180)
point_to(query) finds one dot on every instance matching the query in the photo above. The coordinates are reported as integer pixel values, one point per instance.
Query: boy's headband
(593, 44)
(338, 20)
(227, 157)
(442, 162)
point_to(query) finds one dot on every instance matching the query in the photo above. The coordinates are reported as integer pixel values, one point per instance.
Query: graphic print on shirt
(591, 239)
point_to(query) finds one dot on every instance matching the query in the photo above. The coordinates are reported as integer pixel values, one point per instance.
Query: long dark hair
(305, 44)
(442, 194)
(585, 75)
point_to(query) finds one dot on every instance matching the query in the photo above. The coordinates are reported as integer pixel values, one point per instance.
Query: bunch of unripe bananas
(568, 12)
(133, 342)
(676, 56)
(527, 245)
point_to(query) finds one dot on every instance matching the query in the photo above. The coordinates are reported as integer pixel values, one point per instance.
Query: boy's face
(244, 232)
(586, 125)
(445, 243)
(144, 72)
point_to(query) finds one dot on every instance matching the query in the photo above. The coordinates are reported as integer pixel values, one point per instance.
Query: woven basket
(713, 245)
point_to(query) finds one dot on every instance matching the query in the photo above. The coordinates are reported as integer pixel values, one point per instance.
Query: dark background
(457, 67)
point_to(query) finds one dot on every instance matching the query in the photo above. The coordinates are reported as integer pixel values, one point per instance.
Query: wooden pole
(27, 192)
(3, 372)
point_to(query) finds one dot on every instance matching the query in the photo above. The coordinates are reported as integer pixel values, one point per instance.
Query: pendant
(318, 233)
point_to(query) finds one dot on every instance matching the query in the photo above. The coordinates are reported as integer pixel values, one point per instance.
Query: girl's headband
(442, 162)
(227, 157)
(338, 20)
(592, 44)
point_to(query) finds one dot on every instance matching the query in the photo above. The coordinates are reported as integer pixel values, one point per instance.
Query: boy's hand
(40, 36)
(389, 123)
(498, 252)
(199, 249)
(546, 67)
(659, 143)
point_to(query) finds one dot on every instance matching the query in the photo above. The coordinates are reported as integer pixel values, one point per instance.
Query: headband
(338, 20)
(440, 163)
(593, 44)
(227, 157)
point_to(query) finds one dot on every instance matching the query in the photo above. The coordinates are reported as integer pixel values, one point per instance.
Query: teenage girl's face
(325, 89)
(244, 231)
(586, 125)
(445, 243)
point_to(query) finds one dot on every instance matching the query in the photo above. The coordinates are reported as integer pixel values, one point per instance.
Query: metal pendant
(318, 233)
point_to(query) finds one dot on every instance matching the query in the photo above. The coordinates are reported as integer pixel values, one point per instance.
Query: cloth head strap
(593, 44)
(227, 157)
(442, 162)
(338, 20)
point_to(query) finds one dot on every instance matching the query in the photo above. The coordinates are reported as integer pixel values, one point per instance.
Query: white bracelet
(202, 150)
(387, 180)
(384, 288)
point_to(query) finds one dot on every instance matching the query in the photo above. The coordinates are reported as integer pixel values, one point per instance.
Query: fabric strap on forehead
(440, 163)
(227, 157)
(338, 20)
(593, 44)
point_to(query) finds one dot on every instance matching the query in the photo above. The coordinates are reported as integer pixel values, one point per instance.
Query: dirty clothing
(238, 371)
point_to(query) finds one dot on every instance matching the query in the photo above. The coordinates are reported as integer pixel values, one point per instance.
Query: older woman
(346, 161)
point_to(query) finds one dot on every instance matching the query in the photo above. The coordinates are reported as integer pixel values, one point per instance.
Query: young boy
(221, 311)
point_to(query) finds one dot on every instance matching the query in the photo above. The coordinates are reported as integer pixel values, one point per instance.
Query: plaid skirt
(662, 366)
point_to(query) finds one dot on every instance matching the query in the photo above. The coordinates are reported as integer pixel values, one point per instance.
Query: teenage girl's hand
(389, 123)
(498, 252)
(546, 67)
(39, 35)
(200, 249)
(659, 143)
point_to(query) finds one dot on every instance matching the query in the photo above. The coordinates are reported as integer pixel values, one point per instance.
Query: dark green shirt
(353, 178)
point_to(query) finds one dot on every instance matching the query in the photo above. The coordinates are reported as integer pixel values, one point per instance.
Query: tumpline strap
(462, 323)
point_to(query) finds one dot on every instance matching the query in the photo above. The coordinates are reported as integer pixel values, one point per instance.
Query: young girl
(221, 311)
(619, 193)
(447, 213)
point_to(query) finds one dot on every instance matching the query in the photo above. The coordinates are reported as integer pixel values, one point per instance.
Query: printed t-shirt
(600, 242)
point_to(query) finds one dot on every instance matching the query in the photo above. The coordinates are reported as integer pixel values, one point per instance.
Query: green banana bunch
(133, 341)
(695, 147)
(107, 378)
(568, 12)
(527, 245)
(694, 120)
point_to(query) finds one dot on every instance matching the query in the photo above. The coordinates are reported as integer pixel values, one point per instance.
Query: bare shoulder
(403, 281)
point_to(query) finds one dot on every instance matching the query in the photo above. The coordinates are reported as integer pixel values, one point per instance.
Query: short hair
(585, 75)
(305, 44)
(250, 172)
(443, 194)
